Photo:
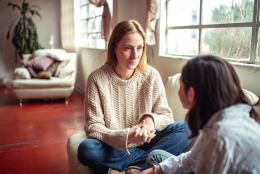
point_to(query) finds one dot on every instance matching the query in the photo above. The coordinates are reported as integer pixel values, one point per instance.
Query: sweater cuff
(156, 119)
(119, 139)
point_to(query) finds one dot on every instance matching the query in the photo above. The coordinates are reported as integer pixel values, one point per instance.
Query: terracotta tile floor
(33, 136)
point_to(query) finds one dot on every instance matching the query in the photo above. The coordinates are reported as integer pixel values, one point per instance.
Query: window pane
(83, 40)
(76, 3)
(100, 42)
(258, 47)
(77, 14)
(84, 28)
(92, 10)
(227, 42)
(183, 41)
(227, 11)
(91, 25)
(92, 40)
(83, 2)
(99, 10)
(83, 11)
(98, 24)
(181, 13)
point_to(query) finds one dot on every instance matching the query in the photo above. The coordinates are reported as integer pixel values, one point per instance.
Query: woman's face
(186, 98)
(129, 51)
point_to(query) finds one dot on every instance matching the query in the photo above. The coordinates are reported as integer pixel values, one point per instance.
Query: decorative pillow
(57, 54)
(43, 75)
(66, 71)
(21, 73)
(53, 67)
(60, 66)
(38, 63)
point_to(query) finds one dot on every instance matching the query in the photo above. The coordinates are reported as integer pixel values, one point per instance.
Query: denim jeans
(100, 156)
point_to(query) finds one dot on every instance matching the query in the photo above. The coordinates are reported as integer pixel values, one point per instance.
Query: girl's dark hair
(216, 87)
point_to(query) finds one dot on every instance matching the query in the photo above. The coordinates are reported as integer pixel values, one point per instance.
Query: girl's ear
(191, 94)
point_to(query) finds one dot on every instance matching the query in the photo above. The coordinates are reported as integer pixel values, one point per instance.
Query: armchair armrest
(21, 73)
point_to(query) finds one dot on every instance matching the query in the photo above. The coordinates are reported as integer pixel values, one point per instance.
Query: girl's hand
(140, 133)
(151, 170)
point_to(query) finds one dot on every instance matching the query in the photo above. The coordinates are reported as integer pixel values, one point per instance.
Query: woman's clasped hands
(143, 132)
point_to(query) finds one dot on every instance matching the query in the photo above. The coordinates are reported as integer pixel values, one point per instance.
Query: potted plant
(24, 35)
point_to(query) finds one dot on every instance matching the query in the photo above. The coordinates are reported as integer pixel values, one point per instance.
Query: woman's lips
(132, 63)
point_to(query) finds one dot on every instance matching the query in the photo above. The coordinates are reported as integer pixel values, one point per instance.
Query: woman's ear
(191, 94)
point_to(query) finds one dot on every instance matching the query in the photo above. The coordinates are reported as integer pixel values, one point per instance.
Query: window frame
(255, 24)
(87, 33)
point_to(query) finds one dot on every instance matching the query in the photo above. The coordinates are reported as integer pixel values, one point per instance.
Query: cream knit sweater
(113, 106)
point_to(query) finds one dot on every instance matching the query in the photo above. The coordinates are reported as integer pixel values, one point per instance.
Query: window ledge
(256, 66)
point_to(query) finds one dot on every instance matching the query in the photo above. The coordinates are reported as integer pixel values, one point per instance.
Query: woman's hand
(151, 170)
(143, 132)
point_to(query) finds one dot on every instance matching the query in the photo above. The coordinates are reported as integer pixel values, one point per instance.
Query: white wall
(47, 26)
(136, 9)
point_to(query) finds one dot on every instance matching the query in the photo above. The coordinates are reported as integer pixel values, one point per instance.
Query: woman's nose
(135, 53)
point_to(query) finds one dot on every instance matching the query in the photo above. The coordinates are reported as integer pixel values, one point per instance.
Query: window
(87, 25)
(225, 28)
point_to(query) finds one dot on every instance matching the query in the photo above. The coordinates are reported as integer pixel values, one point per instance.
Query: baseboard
(80, 90)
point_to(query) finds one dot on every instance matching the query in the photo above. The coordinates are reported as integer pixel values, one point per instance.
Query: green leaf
(14, 6)
(25, 7)
(8, 33)
(32, 12)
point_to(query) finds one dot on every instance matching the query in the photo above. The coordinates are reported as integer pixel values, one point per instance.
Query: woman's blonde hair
(121, 29)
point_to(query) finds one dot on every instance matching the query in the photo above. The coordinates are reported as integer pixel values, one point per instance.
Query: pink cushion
(38, 63)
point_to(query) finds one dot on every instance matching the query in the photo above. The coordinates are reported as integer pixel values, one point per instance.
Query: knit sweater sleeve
(95, 121)
(161, 112)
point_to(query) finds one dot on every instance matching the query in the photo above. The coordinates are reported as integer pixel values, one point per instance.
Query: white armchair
(62, 86)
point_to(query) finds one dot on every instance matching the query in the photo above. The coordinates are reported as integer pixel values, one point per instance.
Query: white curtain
(107, 22)
(152, 14)
(67, 25)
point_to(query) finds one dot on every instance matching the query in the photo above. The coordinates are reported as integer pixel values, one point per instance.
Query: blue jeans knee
(155, 157)
(86, 152)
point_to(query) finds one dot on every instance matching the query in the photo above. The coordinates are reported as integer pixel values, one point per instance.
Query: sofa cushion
(75, 167)
(57, 54)
(171, 88)
(53, 82)
(21, 73)
(61, 65)
(251, 96)
(67, 70)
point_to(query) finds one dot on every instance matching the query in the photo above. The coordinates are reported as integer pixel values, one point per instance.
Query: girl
(125, 103)
(230, 131)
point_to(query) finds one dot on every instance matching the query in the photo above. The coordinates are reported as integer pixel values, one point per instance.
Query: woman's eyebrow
(132, 45)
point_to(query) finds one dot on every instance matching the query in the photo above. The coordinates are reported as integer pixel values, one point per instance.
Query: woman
(125, 103)
(230, 130)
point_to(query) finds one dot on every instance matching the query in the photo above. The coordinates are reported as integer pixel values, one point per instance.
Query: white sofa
(171, 88)
(62, 86)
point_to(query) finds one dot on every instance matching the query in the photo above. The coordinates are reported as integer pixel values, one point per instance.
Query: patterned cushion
(38, 63)
(43, 75)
